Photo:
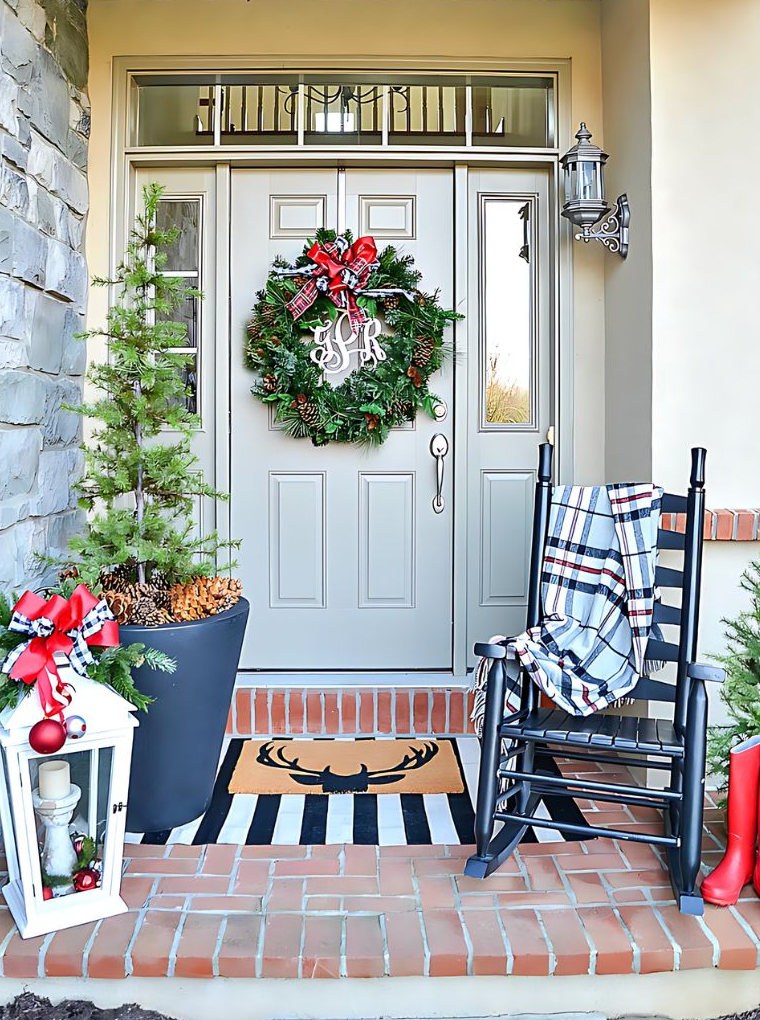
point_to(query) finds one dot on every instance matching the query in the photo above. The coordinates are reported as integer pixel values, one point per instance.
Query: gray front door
(345, 562)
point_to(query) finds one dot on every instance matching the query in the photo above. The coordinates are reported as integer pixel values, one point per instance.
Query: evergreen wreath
(373, 398)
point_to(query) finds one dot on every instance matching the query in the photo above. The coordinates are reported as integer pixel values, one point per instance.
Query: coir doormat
(347, 766)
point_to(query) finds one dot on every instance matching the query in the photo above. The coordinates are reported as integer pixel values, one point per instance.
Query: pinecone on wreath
(269, 382)
(308, 412)
(423, 351)
(414, 375)
(268, 314)
(402, 410)
(391, 303)
(373, 420)
(254, 329)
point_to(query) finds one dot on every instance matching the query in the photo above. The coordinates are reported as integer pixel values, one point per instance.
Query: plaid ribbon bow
(340, 270)
(57, 625)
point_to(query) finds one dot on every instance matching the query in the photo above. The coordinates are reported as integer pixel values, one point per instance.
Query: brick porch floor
(239, 911)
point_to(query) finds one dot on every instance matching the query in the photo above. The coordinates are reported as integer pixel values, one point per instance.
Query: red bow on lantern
(62, 625)
(340, 272)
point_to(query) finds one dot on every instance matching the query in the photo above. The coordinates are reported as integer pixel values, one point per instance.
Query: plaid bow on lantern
(57, 625)
(340, 271)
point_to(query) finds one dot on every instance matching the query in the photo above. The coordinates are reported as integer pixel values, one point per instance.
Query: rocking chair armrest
(701, 671)
(486, 650)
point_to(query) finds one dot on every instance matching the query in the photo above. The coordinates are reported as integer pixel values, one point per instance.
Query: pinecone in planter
(121, 605)
(117, 578)
(147, 614)
(70, 573)
(204, 596)
(423, 351)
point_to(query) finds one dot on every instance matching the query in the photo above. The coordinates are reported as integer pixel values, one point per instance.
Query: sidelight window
(183, 260)
(507, 335)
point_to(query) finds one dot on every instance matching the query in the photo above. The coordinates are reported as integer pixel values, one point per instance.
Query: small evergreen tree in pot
(141, 548)
(741, 691)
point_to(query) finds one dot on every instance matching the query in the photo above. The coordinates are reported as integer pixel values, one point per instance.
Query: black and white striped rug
(384, 819)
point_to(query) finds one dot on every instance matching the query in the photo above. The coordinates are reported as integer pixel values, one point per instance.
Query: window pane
(67, 852)
(182, 215)
(187, 313)
(265, 113)
(190, 377)
(174, 115)
(518, 112)
(507, 319)
(343, 114)
(427, 115)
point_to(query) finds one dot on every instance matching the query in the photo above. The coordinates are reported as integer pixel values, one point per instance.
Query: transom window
(483, 111)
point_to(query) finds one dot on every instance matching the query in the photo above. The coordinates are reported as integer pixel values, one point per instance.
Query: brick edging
(721, 525)
(365, 711)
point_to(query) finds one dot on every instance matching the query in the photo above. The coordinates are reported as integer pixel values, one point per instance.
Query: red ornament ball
(47, 736)
(85, 880)
(47, 892)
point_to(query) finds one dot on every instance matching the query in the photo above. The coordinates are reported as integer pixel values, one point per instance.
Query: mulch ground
(31, 1007)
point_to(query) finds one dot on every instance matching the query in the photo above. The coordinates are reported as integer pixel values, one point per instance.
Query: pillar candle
(54, 779)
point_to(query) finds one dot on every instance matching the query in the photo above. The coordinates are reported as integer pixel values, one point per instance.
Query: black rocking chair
(676, 745)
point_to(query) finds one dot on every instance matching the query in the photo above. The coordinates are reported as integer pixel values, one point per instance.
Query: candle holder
(58, 856)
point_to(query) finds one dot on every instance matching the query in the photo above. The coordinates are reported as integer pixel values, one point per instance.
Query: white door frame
(126, 161)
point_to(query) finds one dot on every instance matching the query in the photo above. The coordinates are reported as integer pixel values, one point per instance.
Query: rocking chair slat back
(676, 744)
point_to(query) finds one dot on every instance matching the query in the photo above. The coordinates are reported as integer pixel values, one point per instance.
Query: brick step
(366, 711)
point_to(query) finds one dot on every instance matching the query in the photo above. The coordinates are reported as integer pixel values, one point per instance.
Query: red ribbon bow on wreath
(57, 625)
(339, 273)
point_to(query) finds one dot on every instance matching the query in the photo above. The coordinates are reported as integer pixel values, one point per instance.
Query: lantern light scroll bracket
(613, 231)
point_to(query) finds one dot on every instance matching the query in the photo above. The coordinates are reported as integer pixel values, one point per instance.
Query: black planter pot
(179, 739)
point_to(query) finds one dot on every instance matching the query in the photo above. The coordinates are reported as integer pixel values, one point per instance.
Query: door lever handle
(439, 447)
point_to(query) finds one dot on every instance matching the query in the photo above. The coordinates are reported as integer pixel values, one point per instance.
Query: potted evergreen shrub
(741, 691)
(141, 549)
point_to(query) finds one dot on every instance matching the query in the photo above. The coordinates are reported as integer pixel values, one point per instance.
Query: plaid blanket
(598, 595)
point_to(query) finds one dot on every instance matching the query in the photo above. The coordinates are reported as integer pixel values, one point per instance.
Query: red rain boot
(723, 885)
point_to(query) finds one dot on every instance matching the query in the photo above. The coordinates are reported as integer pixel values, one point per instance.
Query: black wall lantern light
(585, 204)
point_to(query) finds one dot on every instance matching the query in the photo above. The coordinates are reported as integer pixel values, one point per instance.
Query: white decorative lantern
(51, 806)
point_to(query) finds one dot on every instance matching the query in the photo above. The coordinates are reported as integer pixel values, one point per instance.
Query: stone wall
(44, 128)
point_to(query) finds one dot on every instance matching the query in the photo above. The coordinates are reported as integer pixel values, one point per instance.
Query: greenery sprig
(372, 399)
(112, 666)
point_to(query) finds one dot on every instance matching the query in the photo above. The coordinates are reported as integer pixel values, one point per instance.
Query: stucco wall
(428, 29)
(706, 268)
(44, 127)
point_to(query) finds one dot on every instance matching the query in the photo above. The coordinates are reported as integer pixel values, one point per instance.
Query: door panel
(346, 564)
(509, 373)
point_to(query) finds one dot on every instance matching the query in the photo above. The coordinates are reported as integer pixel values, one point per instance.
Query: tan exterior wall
(706, 267)
(521, 29)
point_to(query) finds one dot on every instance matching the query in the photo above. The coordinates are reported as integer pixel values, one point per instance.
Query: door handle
(439, 447)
